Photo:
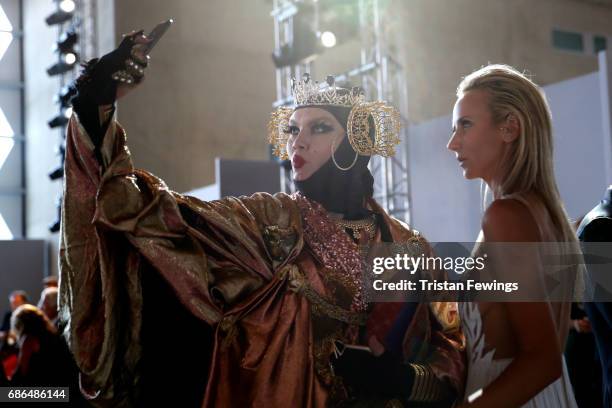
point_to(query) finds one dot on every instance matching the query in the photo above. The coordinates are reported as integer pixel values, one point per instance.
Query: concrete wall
(580, 154)
(209, 88)
(23, 268)
(442, 41)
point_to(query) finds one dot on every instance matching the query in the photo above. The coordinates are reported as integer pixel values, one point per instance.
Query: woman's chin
(300, 175)
(468, 175)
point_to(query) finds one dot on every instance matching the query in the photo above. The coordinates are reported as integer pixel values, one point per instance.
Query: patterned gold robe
(272, 275)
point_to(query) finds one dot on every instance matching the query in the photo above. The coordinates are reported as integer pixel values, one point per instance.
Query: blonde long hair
(528, 165)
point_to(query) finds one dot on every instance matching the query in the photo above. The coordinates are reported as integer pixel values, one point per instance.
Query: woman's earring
(333, 145)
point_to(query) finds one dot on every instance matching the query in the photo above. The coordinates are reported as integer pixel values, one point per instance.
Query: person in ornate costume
(260, 288)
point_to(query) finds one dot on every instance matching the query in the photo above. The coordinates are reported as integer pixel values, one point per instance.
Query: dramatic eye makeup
(321, 127)
(291, 129)
(316, 127)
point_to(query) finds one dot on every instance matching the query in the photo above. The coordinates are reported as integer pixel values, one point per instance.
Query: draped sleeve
(116, 218)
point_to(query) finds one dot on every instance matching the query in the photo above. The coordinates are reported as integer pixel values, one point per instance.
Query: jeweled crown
(307, 92)
(385, 118)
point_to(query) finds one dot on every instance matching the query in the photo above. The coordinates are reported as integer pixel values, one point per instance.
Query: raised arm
(121, 225)
(105, 80)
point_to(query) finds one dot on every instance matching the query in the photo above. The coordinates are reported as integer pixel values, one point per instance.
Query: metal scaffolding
(83, 22)
(382, 78)
(86, 21)
(284, 12)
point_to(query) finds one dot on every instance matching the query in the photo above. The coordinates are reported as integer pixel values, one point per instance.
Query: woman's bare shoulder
(509, 220)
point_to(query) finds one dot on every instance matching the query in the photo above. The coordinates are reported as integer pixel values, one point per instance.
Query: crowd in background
(32, 351)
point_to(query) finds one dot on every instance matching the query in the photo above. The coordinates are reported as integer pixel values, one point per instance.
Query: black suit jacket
(597, 227)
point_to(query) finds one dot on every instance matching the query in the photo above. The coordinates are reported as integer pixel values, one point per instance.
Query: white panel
(11, 9)
(5, 231)
(6, 130)
(10, 103)
(579, 159)
(6, 38)
(10, 63)
(445, 206)
(5, 24)
(11, 210)
(10, 171)
(6, 147)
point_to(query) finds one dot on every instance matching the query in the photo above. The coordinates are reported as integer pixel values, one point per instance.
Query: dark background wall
(23, 265)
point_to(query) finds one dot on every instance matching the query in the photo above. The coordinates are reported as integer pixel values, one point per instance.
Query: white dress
(483, 369)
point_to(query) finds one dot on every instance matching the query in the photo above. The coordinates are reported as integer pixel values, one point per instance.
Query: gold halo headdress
(386, 118)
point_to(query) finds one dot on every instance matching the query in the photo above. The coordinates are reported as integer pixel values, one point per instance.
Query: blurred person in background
(581, 355)
(16, 299)
(596, 228)
(583, 360)
(4, 382)
(43, 360)
(50, 281)
(48, 303)
(8, 347)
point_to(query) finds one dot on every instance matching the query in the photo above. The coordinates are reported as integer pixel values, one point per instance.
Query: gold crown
(307, 92)
(385, 118)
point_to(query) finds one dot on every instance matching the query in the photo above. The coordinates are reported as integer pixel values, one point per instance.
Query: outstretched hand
(133, 73)
(115, 74)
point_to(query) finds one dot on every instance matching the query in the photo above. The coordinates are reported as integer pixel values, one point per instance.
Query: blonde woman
(502, 134)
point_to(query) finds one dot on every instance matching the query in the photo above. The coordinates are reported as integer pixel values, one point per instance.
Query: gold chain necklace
(356, 226)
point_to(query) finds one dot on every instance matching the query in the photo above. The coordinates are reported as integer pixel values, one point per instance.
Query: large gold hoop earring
(336, 163)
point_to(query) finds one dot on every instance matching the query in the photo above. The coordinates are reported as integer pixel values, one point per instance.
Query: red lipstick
(298, 161)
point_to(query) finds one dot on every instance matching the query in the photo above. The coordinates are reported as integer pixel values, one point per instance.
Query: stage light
(57, 174)
(61, 151)
(63, 98)
(60, 68)
(66, 42)
(55, 227)
(58, 121)
(283, 56)
(305, 45)
(67, 6)
(65, 47)
(59, 17)
(70, 58)
(328, 39)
